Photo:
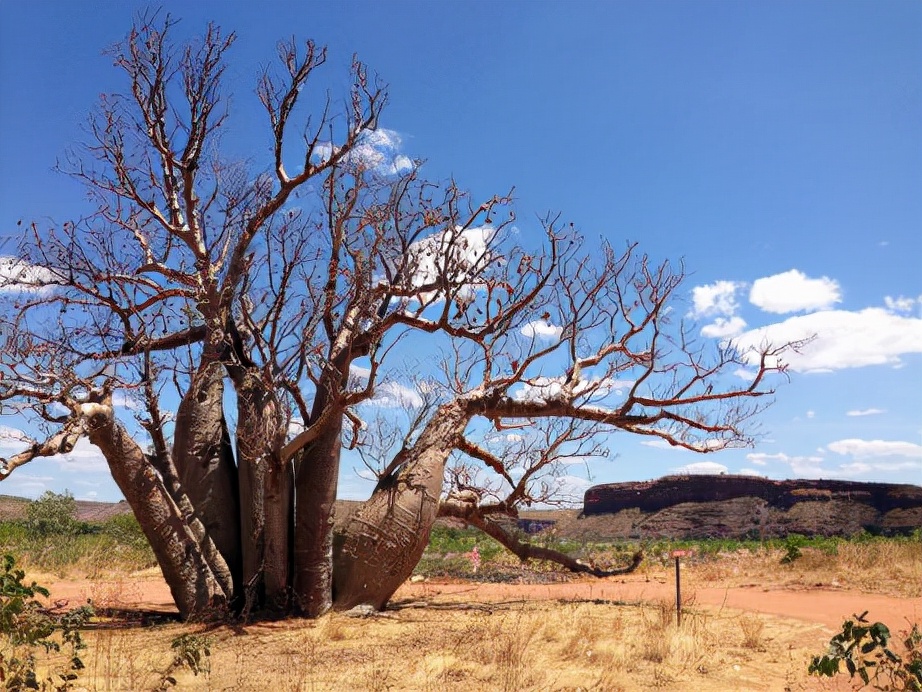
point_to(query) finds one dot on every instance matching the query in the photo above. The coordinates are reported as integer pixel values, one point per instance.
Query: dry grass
(532, 646)
(540, 645)
(892, 568)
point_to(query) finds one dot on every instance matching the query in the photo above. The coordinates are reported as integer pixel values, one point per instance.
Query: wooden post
(678, 592)
(677, 554)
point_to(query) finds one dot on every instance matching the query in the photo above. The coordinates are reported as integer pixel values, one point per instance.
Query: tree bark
(265, 495)
(384, 539)
(204, 463)
(315, 493)
(196, 589)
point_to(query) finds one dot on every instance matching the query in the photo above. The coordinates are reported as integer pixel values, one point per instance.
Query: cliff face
(748, 506)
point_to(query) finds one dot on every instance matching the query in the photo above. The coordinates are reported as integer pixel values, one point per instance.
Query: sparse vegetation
(593, 645)
(28, 630)
(867, 653)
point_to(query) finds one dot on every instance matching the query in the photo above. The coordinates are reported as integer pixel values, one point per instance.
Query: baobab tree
(252, 316)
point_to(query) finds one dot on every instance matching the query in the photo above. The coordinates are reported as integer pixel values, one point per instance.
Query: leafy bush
(53, 514)
(190, 651)
(792, 546)
(26, 627)
(865, 650)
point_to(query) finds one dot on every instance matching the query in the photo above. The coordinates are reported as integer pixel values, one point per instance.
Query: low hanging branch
(475, 516)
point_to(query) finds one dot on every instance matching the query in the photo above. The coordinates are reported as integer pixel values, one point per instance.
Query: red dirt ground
(820, 605)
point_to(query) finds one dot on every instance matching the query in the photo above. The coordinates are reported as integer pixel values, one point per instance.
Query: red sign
(682, 553)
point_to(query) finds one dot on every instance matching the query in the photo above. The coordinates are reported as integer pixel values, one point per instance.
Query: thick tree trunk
(196, 589)
(383, 540)
(315, 492)
(265, 496)
(204, 462)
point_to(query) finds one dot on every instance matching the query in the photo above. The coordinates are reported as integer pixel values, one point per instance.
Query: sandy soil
(825, 606)
(822, 604)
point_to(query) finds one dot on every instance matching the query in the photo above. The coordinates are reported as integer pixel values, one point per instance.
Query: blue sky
(775, 147)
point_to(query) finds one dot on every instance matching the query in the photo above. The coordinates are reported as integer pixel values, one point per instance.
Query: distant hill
(695, 506)
(15, 508)
(701, 506)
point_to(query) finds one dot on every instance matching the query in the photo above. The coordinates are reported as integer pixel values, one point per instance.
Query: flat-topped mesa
(731, 505)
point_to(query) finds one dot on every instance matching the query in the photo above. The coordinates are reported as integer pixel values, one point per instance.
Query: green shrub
(792, 546)
(27, 628)
(53, 515)
(865, 649)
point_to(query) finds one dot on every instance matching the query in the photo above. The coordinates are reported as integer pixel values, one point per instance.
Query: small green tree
(53, 514)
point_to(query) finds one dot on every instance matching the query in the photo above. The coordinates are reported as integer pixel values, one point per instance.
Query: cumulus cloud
(862, 449)
(793, 291)
(901, 304)
(19, 276)
(541, 329)
(377, 150)
(869, 459)
(85, 457)
(751, 472)
(865, 412)
(718, 301)
(801, 466)
(724, 327)
(718, 298)
(394, 395)
(460, 254)
(841, 339)
(701, 467)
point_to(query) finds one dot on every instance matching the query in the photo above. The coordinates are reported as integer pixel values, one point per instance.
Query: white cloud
(85, 457)
(751, 472)
(541, 329)
(865, 412)
(793, 291)
(863, 465)
(17, 275)
(127, 399)
(13, 435)
(860, 468)
(546, 388)
(811, 414)
(376, 150)
(393, 395)
(801, 466)
(862, 449)
(843, 339)
(724, 327)
(701, 467)
(567, 488)
(659, 443)
(901, 304)
(718, 298)
(457, 254)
